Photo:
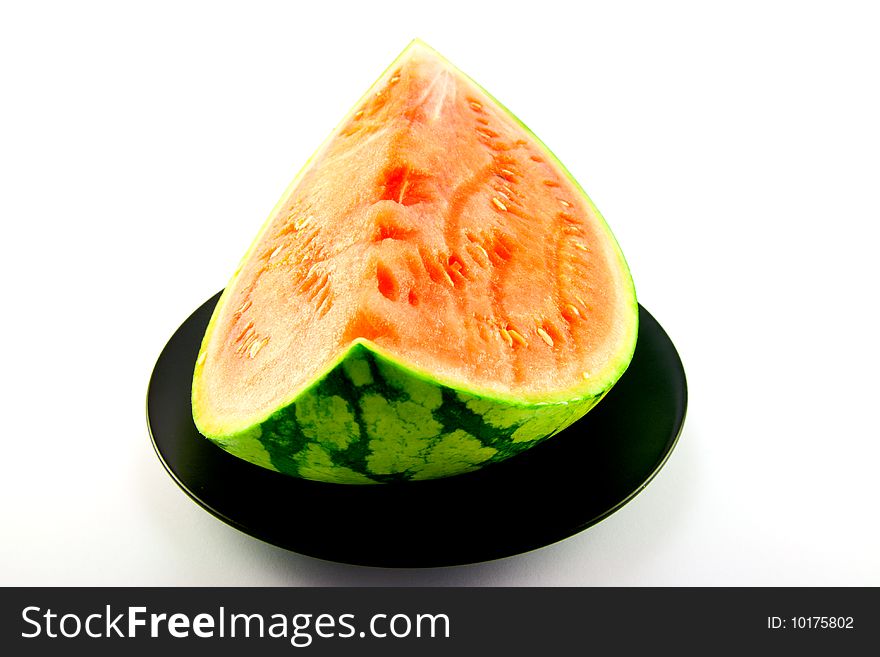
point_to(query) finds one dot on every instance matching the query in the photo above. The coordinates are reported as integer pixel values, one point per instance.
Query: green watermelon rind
(514, 421)
(369, 419)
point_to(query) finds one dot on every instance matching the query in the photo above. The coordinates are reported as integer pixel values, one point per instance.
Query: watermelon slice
(432, 293)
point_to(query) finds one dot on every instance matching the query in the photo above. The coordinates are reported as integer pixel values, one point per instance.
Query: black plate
(541, 496)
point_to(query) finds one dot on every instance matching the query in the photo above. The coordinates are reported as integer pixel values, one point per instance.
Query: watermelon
(433, 293)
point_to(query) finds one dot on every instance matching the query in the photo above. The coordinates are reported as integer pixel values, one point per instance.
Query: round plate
(549, 492)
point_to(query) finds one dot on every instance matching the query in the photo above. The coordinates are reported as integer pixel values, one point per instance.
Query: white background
(734, 151)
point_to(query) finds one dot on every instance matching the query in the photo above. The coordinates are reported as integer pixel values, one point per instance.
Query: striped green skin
(369, 420)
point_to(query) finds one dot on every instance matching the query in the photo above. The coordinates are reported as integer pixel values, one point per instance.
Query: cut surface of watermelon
(432, 282)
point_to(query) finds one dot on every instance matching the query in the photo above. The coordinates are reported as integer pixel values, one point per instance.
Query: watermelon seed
(574, 310)
(325, 305)
(565, 203)
(448, 278)
(479, 261)
(517, 337)
(322, 292)
(302, 223)
(244, 334)
(551, 183)
(428, 264)
(507, 338)
(476, 106)
(501, 251)
(243, 307)
(394, 79)
(456, 266)
(358, 114)
(545, 337)
(243, 347)
(499, 204)
(276, 251)
(311, 279)
(256, 346)
(322, 288)
(581, 246)
(455, 274)
(535, 158)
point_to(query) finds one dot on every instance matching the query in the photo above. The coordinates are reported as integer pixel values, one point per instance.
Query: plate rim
(547, 538)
